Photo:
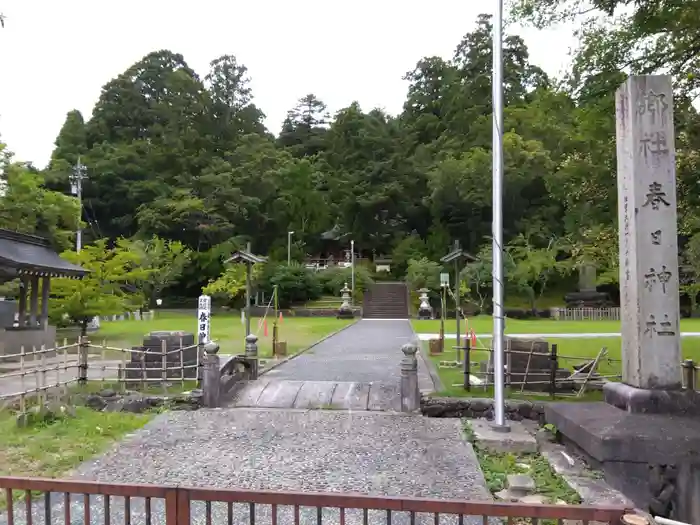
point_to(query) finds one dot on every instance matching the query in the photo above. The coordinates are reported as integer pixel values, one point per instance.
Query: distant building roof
(242, 255)
(32, 255)
(334, 234)
(455, 254)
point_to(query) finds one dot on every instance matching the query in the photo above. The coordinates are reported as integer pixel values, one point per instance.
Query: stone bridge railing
(221, 381)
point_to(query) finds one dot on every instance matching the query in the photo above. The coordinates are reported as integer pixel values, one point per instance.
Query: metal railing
(586, 314)
(73, 502)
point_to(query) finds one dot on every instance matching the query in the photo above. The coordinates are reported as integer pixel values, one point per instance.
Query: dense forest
(182, 155)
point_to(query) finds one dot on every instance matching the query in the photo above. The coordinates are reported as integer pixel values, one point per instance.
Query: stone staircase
(387, 300)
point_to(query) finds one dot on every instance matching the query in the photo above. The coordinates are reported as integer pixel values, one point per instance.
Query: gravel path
(367, 352)
(289, 450)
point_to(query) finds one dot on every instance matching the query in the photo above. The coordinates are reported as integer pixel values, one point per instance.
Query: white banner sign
(204, 319)
(445, 280)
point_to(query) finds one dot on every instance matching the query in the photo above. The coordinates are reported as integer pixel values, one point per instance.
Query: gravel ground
(307, 451)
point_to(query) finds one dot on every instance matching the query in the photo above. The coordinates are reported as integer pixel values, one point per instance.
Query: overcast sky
(56, 55)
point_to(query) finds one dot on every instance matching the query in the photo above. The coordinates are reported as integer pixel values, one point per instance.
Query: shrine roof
(457, 254)
(334, 234)
(242, 255)
(33, 255)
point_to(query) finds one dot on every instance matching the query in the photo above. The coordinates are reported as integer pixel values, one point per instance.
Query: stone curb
(432, 370)
(303, 351)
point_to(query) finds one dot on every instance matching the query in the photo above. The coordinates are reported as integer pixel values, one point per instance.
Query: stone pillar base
(344, 313)
(425, 314)
(641, 401)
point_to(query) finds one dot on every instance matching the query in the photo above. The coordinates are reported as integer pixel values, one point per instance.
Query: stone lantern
(425, 311)
(345, 310)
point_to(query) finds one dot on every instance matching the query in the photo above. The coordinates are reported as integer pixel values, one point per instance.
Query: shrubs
(295, 283)
(333, 279)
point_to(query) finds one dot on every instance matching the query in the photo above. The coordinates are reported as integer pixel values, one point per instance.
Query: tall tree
(233, 112)
(304, 128)
(27, 206)
(71, 145)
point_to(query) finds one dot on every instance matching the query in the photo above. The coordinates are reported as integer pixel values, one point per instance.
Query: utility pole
(289, 247)
(352, 264)
(76, 188)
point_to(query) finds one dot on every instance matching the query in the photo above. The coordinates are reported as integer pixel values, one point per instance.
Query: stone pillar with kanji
(649, 287)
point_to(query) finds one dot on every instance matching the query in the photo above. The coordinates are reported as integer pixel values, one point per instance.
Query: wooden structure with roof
(31, 260)
(249, 258)
(456, 256)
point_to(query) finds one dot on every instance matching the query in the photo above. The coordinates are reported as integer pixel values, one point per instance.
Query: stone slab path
(330, 395)
(357, 369)
(287, 450)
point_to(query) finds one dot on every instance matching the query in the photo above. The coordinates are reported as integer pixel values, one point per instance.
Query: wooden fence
(534, 378)
(586, 314)
(41, 374)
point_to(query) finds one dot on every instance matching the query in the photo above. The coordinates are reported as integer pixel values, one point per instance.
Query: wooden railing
(42, 374)
(73, 502)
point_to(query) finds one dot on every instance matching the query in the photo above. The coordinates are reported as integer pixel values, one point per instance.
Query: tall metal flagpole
(497, 224)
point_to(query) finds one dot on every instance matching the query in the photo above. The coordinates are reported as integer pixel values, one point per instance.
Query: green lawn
(484, 324)
(51, 450)
(226, 329)
(570, 350)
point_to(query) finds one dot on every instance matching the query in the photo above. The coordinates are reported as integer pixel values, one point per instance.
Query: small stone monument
(587, 295)
(425, 311)
(345, 310)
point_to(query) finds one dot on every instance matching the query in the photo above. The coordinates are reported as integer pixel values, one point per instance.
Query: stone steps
(386, 301)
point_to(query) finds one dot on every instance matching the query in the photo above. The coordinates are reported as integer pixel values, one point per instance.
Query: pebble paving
(287, 450)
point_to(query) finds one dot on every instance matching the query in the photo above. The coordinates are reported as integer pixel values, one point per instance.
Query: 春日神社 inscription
(648, 233)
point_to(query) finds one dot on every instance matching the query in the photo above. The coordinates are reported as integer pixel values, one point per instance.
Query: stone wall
(516, 410)
(259, 311)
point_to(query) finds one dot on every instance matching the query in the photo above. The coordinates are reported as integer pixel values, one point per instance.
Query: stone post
(410, 395)
(646, 181)
(251, 354)
(211, 379)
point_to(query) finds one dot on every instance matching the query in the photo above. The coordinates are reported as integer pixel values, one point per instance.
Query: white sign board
(203, 319)
(445, 280)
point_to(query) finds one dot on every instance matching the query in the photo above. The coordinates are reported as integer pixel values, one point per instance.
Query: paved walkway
(356, 369)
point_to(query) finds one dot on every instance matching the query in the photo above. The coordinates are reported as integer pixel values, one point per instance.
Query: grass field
(50, 450)
(571, 350)
(226, 329)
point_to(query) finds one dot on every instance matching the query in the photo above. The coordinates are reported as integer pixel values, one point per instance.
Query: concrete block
(517, 441)
(520, 483)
